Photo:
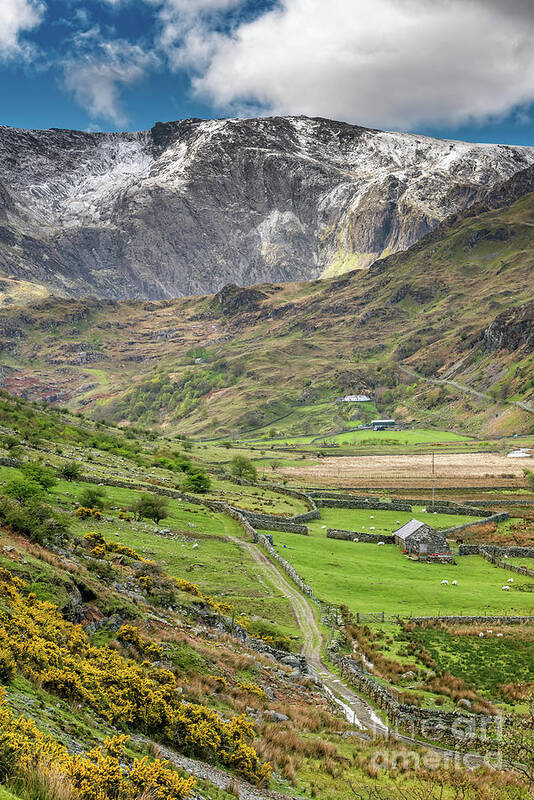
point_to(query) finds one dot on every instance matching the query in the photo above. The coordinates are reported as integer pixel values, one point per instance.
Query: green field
(387, 438)
(384, 522)
(366, 577)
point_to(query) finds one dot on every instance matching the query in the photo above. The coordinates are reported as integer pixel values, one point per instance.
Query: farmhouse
(422, 541)
(355, 398)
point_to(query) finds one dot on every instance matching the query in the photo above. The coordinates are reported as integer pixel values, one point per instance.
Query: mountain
(190, 206)
(441, 332)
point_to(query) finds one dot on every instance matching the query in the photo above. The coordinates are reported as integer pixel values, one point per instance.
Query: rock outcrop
(191, 206)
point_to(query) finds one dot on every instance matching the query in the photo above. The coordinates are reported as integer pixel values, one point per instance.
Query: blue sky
(456, 68)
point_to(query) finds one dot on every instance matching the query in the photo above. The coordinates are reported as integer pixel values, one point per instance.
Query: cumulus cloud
(16, 17)
(96, 77)
(399, 63)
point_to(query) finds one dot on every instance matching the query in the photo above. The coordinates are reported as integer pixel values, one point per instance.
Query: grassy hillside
(275, 358)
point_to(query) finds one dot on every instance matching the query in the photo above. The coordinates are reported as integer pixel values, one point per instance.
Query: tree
(92, 497)
(40, 474)
(23, 489)
(197, 481)
(151, 506)
(530, 478)
(70, 471)
(242, 467)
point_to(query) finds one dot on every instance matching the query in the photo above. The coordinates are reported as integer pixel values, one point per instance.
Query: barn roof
(408, 528)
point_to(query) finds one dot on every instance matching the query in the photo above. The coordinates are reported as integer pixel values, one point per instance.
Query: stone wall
(512, 551)
(286, 566)
(493, 518)
(9, 462)
(499, 620)
(449, 508)
(358, 536)
(265, 522)
(395, 505)
(306, 517)
(442, 725)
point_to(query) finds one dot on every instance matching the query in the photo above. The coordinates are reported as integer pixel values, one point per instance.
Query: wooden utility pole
(433, 480)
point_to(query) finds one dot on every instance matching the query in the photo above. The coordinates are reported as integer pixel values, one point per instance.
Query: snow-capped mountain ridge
(189, 206)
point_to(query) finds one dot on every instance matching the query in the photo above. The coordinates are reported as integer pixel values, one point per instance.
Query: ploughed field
(452, 470)
(372, 578)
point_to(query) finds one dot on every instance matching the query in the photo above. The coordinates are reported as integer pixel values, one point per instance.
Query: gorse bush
(100, 774)
(58, 655)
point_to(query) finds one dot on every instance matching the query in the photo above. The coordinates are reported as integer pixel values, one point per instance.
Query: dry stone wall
(358, 536)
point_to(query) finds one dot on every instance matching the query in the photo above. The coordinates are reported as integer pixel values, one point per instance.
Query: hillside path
(355, 708)
(480, 395)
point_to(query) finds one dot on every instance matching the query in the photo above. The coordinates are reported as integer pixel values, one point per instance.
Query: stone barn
(422, 541)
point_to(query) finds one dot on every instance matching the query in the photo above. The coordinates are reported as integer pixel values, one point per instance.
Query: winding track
(355, 708)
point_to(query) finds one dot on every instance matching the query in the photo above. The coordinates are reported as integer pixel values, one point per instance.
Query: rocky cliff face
(188, 207)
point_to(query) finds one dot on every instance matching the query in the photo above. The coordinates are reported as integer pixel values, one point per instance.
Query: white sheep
(397, 521)
(379, 543)
(323, 526)
(372, 528)
(195, 546)
(372, 516)
(499, 635)
(510, 580)
(505, 588)
(444, 583)
(480, 635)
(489, 633)
(455, 583)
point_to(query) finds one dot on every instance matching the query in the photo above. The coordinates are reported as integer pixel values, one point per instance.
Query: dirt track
(405, 471)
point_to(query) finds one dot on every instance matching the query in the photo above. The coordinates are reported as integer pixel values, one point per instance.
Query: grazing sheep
(379, 543)
(423, 510)
(480, 635)
(397, 521)
(372, 528)
(195, 546)
(444, 583)
(505, 588)
(510, 580)
(323, 526)
(489, 632)
(455, 583)
(372, 516)
(499, 635)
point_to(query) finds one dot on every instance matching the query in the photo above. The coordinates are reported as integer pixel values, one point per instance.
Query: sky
(462, 69)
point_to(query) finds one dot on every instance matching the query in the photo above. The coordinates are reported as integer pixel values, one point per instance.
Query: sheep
(372, 528)
(505, 588)
(489, 633)
(455, 583)
(195, 546)
(480, 635)
(379, 543)
(444, 583)
(510, 580)
(499, 635)
(323, 526)
(372, 516)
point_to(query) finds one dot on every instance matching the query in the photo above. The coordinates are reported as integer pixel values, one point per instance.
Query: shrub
(39, 474)
(34, 520)
(70, 471)
(151, 506)
(242, 467)
(197, 481)
(92, 497)
(23, 489)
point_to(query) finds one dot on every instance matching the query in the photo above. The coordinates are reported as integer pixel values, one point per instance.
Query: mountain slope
(190, 206)
(457, 306)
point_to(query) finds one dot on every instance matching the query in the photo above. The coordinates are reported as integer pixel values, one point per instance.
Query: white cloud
(398, 63)
(96, 77)
(17, 16)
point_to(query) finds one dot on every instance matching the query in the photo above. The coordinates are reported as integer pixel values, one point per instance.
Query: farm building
(382, 424)
(421, 540)
(355, 398)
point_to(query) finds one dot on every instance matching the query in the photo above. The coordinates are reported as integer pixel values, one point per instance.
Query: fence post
(382, 616)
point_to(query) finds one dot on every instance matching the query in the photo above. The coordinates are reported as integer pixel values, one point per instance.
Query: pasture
(383, 522)
(366, 577)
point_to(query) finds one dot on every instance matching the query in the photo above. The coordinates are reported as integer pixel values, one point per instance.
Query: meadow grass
(384, 522)
(366, 577)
